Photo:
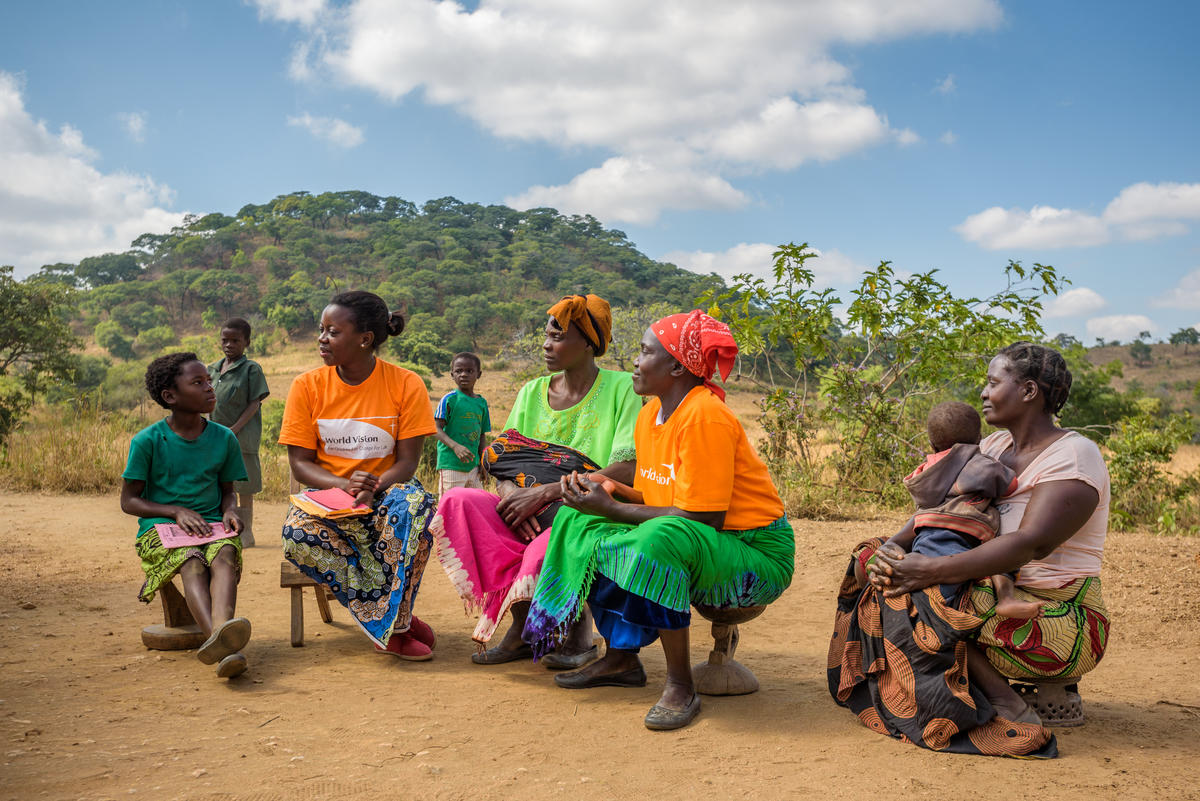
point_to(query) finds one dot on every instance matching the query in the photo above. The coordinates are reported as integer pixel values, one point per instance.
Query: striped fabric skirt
(900, 664)
(645, 577)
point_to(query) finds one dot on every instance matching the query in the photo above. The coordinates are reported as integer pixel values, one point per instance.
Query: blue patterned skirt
(372, 563)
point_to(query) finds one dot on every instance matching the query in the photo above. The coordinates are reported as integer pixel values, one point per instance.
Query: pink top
(1070, 457)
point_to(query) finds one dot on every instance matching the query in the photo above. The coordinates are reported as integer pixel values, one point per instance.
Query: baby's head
(951, 423)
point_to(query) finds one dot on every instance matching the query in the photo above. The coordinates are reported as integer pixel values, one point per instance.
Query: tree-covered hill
(469, 276)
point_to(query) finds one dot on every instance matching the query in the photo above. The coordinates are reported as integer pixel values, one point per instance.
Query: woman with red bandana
(709, 528)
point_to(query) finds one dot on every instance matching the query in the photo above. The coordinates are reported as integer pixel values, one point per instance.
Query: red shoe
(407, 647)
(422, 631)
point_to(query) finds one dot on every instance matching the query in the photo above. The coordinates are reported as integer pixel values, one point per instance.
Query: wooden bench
(178, 631)
(721, 674)
(291, 577)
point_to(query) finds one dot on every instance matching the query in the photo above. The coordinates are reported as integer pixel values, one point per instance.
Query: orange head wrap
(590, 314)
(700, 343)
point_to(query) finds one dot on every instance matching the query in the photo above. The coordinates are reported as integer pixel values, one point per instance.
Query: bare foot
(1021, 610)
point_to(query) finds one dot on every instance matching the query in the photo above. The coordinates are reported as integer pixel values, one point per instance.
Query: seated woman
(492, 545)
(358, 423)
(710, 529)
(913, 663)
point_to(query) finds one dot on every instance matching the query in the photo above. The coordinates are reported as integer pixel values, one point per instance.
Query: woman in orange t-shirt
(709, 529)
(358, 424)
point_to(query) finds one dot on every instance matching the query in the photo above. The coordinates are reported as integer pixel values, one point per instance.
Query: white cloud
(330, 129)
(304, 12)
(907, 137)
(948, 138)
(830, 268)
(946, 85)
(1075, 303)
(135, 124)
(1140, 212)
(54, 204)
(1184, 295)
(722, 87)
(1145, 202)
(1040, 227)
(632, 190)
(1121, 327)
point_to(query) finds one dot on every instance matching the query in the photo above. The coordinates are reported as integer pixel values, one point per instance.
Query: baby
(955, 489)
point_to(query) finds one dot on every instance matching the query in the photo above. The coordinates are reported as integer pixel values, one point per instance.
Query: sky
(936, 134)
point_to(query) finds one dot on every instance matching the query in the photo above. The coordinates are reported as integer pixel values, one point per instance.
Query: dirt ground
(87, 713)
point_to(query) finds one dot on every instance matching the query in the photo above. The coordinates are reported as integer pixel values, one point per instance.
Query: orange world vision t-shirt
(699, 460)
(356, 427)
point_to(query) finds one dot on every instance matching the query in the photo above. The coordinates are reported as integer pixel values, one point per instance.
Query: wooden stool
(721, 674)
(1056, 701)
(178, 631)
(291, 577)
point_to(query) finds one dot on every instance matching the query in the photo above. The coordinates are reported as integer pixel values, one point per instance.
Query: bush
(111, 336)
(154, 341)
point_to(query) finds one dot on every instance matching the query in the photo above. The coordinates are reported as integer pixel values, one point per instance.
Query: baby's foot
(1022, 610)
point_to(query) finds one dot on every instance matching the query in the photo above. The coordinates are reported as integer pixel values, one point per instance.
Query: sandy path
(87, 713)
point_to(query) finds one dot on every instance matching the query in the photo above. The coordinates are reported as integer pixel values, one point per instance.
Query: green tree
(1184, 336)
(111, 268)
(629, 323)
(911, 340)
(111, 336)
(36, 342)
(1141, 353)
(153, 341)
(424, 348)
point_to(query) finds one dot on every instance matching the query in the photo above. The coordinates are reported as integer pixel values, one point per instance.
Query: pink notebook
(173, 536)
(334, 499)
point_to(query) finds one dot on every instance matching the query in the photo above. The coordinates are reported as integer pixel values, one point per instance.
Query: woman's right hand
(898, 573)
(519, 507)
(361, 481)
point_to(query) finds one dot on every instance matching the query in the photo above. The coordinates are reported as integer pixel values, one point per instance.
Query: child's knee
(226, 557)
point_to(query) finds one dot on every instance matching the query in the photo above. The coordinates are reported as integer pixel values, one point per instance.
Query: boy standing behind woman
(241, 388)
(462, 420)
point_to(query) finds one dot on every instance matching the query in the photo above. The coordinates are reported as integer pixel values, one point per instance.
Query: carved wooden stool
(1056, 701)
(178, 631)
(291, 577)
(721, 674)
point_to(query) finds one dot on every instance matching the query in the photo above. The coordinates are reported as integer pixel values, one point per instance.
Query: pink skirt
(490, 566)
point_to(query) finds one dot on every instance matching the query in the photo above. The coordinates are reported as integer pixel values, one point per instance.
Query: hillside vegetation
(468, 276)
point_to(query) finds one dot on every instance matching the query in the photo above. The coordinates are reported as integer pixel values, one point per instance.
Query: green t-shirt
(600, 426)
(184, 472)
(465, 420)
(236, 389)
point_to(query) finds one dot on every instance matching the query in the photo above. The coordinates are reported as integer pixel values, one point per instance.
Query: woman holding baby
(912, 665)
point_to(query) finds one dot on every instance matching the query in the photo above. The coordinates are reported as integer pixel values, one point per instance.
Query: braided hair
(370, 313)
(1044, 366)
(162, 372)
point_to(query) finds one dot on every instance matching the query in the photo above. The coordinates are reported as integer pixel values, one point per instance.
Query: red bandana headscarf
(700, 343)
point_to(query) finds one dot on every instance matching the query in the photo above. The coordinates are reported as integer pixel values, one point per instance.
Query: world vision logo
(662, 479)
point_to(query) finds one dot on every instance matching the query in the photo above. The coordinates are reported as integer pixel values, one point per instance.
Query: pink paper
(334, 499)
(172, 536)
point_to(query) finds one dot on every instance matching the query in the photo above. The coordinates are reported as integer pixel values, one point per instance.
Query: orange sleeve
(704, 476)
(414, 414)
(297, 427)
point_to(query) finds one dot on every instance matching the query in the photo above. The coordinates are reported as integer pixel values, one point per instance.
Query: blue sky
(949, 134)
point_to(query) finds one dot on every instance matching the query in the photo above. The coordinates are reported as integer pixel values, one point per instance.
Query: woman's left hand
(897, 574)
(586, 495)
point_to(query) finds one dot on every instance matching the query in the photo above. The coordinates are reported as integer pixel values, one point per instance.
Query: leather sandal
(228, 638)
(659, 718)
(232, 665)
(498, 655)
(556, 661)
(577, 680)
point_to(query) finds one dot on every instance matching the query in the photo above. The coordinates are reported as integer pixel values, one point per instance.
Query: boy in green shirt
(462, 419)
(241, 388)
(181, 471)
